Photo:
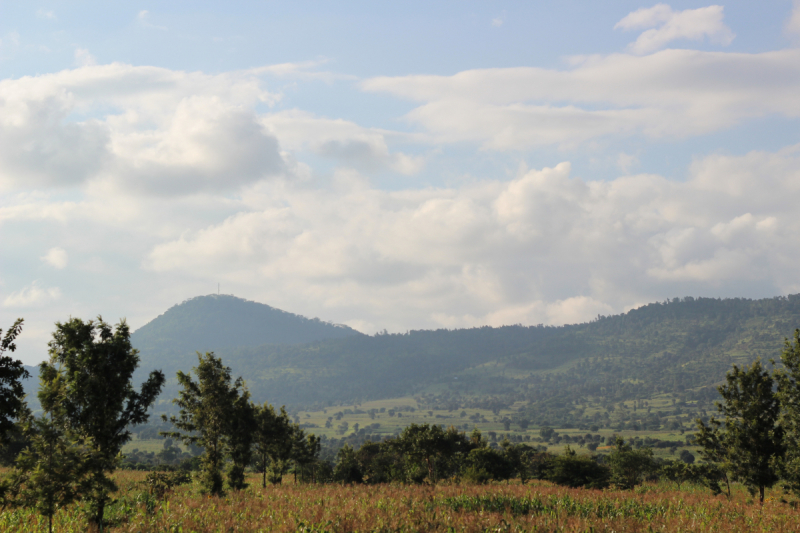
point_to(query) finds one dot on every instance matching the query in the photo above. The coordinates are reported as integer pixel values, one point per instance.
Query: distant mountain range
(679, 348)
(682, 346)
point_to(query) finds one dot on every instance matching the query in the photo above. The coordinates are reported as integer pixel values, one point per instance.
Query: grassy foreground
(537, 506)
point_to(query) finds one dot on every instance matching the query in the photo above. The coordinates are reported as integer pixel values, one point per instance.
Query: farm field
(536, 506)
(385, 418)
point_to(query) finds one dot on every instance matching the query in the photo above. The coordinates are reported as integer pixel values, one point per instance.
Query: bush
(575, 470)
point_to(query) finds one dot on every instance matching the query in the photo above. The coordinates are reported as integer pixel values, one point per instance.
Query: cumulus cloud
(666, 25)
(544, 247)
(352, 145)
(32, 296)
(56, 257)
(678, 93)
(142, 129)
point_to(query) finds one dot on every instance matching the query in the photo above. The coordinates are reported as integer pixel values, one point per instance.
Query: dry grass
(397, 508)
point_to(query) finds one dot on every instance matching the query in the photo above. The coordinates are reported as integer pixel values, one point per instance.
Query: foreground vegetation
(536, 506)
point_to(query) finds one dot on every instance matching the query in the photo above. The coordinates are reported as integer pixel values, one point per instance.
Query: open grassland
(536, 506)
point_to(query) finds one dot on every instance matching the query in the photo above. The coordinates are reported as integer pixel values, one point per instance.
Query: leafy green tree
(206, 408)
(273, 439)
(305, 449)
(629, 467)
(347, 469)
(431, 446)
(12, 395)
(750, 442)
(484, 463)
(789, 396)
(519, 456)
(575, 470)
(50, 471)
(241, 425)
(88, 382)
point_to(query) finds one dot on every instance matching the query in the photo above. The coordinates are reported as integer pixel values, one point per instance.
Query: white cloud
(678, 93)
(45, 14)
(147, 129)
(544, 247)
(625, 162)
(666, 25)
(144, 19)
(32, 296)
(352, 145)
(56, 257)
(83, 58)
(498, 21)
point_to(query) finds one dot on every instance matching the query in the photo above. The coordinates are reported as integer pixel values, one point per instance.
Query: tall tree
(241, 431)
(789, 396)
(749, 442)
(206, 409)
(88, 381)
(12, 402)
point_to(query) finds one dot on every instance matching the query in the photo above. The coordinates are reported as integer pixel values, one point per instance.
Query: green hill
(676, 351)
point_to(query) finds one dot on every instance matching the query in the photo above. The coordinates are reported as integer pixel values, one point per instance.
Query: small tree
(88, 382)
(629, 467)
(206, 408)
(575, 470)
(749, 443)
(50, 471)
(789, 396)
(12, 403)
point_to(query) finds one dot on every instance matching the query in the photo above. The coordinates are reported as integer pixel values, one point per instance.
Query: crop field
(536, 506)
(384, 418)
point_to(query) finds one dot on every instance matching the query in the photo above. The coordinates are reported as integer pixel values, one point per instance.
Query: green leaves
(11, 374)
(215, 414)
(749, 442)
(86, 391)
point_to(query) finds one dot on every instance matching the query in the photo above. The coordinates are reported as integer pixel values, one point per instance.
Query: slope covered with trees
(575, 374)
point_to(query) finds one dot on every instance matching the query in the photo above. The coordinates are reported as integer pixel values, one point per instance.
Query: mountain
(674, 351)
(217, 322)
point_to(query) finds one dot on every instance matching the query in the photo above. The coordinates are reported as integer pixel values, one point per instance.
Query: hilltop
(218, 322)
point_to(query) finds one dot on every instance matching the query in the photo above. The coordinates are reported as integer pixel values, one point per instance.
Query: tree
(629, 467)
(12, 402)
(206, 409)
(788, 380)
(50, 470)
(575, 470)
(274, 439)
(88, 382)
(241, 424)
(749, 442)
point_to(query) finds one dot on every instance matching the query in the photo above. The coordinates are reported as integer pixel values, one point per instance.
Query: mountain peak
(214, 321)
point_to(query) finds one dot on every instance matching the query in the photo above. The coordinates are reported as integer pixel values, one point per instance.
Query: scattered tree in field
(207, 407)
(12, 372)
(575, 470)
(241, 425)
(749, 443)
(87, 382)
(788, 380)
(629, 467)
(50, 471)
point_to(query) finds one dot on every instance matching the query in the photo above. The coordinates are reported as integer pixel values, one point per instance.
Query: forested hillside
(576, 374)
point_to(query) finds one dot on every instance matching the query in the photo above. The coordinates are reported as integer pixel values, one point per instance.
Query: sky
(398, 166)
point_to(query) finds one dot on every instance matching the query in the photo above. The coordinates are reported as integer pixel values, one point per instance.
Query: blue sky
(400, 166)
